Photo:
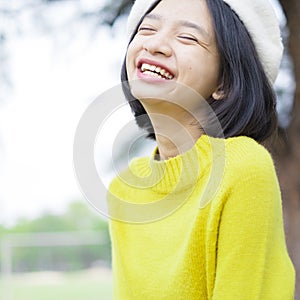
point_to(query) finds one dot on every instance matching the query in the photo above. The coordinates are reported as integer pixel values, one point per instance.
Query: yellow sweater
(206, 224)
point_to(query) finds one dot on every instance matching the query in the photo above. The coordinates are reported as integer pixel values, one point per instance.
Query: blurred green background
(56, 56)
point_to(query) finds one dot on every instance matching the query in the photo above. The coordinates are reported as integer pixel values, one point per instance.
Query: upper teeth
(162, 73)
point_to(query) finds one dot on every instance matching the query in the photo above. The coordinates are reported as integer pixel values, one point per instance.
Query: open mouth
(155, 71)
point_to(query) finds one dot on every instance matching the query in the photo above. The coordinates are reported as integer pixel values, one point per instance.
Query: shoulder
(132, 176)
(249, 179)
(245, 153)
(249, 164)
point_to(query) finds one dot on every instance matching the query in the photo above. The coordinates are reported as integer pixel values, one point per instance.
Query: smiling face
(176, 43)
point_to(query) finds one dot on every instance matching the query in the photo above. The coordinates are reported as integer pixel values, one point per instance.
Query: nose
(158, 44)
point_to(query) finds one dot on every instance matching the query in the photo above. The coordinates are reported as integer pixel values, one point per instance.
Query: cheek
(202, 78)
(129, 65)
(130, 59)
(133, 47)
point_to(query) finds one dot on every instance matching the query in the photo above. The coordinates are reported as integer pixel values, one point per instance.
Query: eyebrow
(183, 23)
(199, 28)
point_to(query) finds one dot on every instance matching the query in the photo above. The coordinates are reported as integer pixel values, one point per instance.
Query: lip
(154, 63)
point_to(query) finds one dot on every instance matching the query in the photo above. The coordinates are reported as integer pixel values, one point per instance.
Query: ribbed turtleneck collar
(150, 189)
(180, 172)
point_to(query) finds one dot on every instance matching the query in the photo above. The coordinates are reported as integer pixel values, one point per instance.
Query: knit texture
(218, 236)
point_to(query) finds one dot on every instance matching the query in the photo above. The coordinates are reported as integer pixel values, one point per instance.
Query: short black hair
(248, 104)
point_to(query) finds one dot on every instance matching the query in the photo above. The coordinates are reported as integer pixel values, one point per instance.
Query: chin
(152, 89)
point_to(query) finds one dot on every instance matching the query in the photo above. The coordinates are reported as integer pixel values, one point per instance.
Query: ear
(218, 94)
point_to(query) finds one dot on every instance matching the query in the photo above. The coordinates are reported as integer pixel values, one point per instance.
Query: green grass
(85, 285)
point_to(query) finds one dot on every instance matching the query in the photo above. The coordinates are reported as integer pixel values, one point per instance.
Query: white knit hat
(258, 17)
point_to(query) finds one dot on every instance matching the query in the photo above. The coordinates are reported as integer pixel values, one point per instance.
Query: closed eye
(189, 38)
(146, 29)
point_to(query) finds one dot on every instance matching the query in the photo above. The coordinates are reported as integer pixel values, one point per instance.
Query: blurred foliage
(97, 13)
(115, 9)
(78, 218)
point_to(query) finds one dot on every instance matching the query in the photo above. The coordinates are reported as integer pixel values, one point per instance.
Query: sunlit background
(56, 64)
(56, 57)
(55, 60)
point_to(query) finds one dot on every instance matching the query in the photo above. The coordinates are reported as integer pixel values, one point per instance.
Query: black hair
(248, 104)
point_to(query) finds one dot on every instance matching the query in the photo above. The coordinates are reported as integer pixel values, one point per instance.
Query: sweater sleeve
(252, 259)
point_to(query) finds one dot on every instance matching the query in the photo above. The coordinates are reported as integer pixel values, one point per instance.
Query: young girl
(202, 217)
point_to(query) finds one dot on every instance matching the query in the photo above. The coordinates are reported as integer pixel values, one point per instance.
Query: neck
(175, 129)
(169, 148)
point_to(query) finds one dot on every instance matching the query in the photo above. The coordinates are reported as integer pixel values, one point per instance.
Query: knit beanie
(259, 18)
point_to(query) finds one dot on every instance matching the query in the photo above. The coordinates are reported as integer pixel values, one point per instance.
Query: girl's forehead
(190, 13)
(180, 9)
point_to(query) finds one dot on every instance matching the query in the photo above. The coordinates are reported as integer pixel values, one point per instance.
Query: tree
(287, 150)
(287, 155)
(78, 218)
